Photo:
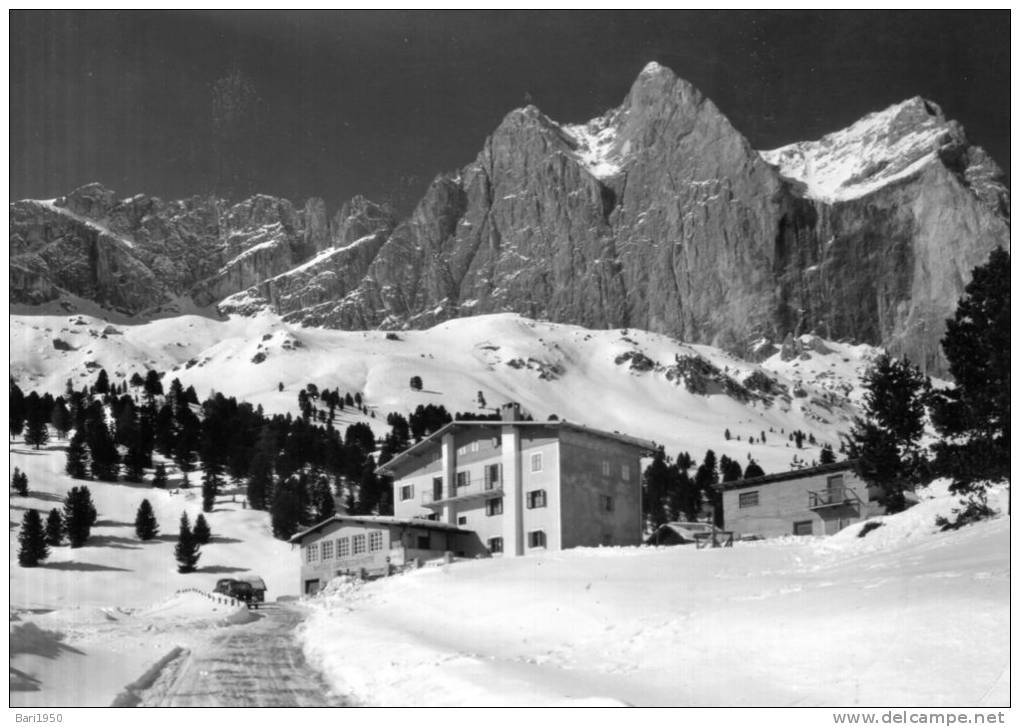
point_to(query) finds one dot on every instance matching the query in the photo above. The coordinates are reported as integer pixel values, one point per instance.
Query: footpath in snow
(906, 616)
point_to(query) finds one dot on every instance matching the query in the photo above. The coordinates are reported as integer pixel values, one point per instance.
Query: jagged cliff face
(657, 215)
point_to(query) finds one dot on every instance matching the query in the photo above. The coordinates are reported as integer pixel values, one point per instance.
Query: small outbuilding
(376, 545)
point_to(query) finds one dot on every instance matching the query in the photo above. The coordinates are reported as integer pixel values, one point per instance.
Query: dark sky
(378, 102)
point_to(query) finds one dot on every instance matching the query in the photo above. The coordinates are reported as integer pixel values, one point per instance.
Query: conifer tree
(753, 469)
(707, 476)
(79, 515)
(102, 385)
(17, 410)
(211, 481)
(54, 528)
(146, 527)
(186, 552)
(827, 456)
(285, 512)
(159, 476)
(36, 431)
(201, 531)
(19, 482)
(60, 418)
(32, 538)
(134, 464)
(885, 443)
(77, 457)
(656, 485)
(973, 418)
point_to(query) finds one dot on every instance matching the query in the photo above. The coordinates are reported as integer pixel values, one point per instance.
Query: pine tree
(77, 457)
(973, 417)
(159, 476)
(60, 418)
(707, 476)
(655, 487)
(36, 431)
(79, 515)
(17, 410)
(211, 481)
(54, 528)
(753, 469)
(19, 482)
(134, 463)
(730, 469)
(201, 532)
(285, 512)
(885, 442)
(827, 456)
(186, 552)
(33, 540)
(146, 527)
(102, 385)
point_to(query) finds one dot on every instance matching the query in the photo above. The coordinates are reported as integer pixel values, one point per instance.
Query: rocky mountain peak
(656, 215)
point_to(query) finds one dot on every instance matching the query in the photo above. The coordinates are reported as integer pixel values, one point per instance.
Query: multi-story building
(524, 486)
(816, 501)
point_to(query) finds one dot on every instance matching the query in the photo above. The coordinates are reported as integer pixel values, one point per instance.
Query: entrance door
(311, 587)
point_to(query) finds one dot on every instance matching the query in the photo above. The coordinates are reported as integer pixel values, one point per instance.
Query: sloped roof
(782, 476)
(379, 520)
(426, 444)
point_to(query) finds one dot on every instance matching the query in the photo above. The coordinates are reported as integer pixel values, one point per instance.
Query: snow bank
(795, 621)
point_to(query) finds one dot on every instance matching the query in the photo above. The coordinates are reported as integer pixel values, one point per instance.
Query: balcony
(468, 491)
(833, 497)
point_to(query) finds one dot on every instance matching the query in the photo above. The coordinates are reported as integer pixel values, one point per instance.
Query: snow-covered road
(252, 665)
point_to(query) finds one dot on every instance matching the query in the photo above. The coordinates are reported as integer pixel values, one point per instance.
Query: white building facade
(523, 486)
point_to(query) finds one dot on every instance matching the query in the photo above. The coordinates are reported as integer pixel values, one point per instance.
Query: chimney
(510, 412)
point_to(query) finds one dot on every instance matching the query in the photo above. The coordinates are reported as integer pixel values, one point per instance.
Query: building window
(437, 488)
(474, 446)
(375, 540)
(834, 483)
(343, 548)
(536, 539)
(804, 527)
(492, 476)
(327, 550)
(748, 499)
(536, 462)
(462, 519)
(423, 542)
(463, 479)
(495, 545)
(608, 504)
(462, 450)
(536, 498)
(494, 506)
(625, 472)
(312, 554)
(605, 468)
(358, 544)
(407, 492)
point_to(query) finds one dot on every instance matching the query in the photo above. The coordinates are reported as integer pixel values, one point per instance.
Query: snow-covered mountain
(656, 215)
(681, 395)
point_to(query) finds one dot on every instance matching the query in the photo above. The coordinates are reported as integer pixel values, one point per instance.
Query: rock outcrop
(657, 215)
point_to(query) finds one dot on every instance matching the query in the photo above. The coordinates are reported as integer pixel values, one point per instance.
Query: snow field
(916, 617)
(549, 368)
(90, 620)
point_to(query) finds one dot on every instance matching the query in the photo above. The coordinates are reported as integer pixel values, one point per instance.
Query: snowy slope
(105, 612)
(903, 617)
(549, 368)
(878, 150)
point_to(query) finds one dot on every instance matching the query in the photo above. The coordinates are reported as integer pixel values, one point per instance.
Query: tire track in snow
(259, 664)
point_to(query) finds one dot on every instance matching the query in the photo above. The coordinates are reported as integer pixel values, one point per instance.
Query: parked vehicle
(237, 589)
